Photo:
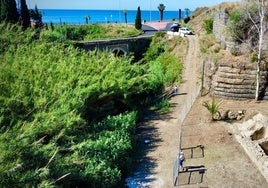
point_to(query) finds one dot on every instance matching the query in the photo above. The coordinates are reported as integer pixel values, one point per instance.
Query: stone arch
(119, 51)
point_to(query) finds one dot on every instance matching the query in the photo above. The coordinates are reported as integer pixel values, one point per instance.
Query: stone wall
(219, 22)
(231, 81)
(234, 79)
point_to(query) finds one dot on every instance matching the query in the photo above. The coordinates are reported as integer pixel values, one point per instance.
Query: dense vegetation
(87, 32)
(8, 11)
(68, 117)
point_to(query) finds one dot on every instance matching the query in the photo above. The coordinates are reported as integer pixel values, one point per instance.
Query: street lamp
(119, 7)
(150, 10)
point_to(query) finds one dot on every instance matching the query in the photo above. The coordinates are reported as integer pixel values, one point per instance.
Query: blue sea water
(58, 16)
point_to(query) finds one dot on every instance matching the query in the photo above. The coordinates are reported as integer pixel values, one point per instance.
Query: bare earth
(226, 163)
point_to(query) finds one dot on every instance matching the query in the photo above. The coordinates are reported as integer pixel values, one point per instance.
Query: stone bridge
(122, 46)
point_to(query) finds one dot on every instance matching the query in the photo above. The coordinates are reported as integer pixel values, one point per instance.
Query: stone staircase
(238, 82)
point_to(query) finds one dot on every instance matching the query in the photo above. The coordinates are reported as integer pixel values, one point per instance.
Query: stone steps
(233, 82)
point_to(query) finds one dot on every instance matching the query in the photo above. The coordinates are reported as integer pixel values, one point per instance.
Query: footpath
(162, 132)
(206, 144)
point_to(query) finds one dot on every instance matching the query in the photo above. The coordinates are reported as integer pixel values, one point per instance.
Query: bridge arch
(119, 51)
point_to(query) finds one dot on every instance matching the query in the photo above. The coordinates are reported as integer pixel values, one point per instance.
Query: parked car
(175, 27)
(185, 31)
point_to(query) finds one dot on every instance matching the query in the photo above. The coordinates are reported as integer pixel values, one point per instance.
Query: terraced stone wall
(230, 78)
(236, 81)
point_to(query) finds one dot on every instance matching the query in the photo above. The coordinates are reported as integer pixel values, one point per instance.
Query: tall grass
(68, 117)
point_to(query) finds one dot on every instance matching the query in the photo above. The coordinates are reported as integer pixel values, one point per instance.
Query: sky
(122, 4)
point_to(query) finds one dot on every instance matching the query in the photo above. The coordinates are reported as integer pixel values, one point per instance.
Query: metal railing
(185, 110)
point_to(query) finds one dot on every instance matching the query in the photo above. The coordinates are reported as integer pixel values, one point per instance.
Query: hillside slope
(228, 70)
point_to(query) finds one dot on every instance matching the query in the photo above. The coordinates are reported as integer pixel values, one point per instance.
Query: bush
(186, 20)
(65, 112)
(213, 109)
(239, 25)
(68, 117)
(87, 32)
(208, 25)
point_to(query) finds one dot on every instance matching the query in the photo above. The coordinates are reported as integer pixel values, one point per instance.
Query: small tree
(213, 109)
(24, 14)
(161, 9)
(259, 25)
(138, 19)
(248, 26)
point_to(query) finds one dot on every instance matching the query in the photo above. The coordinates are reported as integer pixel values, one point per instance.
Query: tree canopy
(24, 14)
(8, 11)
(161, 7)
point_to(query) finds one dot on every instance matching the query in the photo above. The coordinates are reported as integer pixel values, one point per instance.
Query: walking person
(175, 90)
(181, 159)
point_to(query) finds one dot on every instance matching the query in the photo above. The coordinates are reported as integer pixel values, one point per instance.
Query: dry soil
(226, 163)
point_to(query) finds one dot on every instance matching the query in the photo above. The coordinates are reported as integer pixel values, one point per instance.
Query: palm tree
(161, 9)
(213, 109)
(125, 14)
(87, 17)
(187, 12)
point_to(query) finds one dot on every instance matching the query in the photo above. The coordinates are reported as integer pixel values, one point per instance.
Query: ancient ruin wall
(231, 79)
(236, 81)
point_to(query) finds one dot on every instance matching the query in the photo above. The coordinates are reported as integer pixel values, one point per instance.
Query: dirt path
(158, 157)
(168, 128)
(226, 163)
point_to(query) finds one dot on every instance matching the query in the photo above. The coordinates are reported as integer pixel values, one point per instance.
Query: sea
(78, 17)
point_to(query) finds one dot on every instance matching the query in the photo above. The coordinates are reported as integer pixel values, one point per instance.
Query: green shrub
(186, 20)
(239, 25)
(213, 109)
(163, 106)
(67, 111)
(208, 25)
(172, 68)
(68, 117)
(87, 32)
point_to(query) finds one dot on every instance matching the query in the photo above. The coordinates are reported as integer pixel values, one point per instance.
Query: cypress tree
(179, 14)
(8, 11)
(138, 19)
(36, 15)
(24, 14)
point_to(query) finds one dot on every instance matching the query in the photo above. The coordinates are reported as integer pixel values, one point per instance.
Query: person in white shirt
(181, 159)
